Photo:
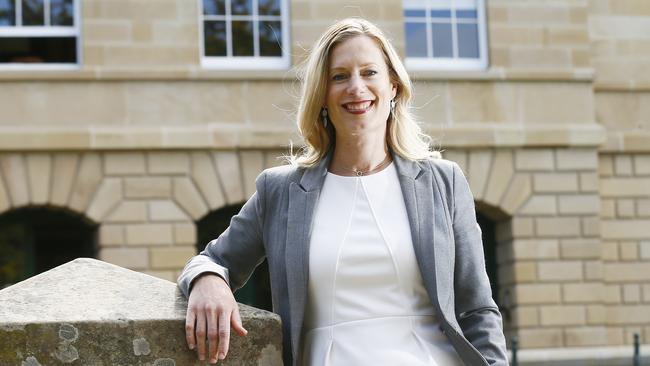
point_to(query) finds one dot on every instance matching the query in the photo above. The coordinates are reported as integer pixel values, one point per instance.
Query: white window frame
(46, 30)
(246, 62)
(431, 63)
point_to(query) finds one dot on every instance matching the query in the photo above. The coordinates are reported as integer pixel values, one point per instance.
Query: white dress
(367, 304)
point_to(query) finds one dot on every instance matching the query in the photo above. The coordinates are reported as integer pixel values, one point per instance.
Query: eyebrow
(345, 68)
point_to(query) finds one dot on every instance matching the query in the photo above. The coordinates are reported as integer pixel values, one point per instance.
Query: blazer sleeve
(237, 251)
(476, 311)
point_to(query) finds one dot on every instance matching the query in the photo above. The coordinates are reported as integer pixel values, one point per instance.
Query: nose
(356, 85)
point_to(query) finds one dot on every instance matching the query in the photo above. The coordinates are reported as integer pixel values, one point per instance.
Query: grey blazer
(275, 223)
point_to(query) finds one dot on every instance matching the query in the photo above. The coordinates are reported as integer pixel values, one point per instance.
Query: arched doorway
(36, 239)
(257, 291)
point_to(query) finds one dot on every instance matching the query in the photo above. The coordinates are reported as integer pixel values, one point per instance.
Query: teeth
(357, 106)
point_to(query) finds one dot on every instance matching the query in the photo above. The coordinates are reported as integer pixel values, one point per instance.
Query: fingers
(213, 335)
(200, 334)
(237, 323)
(190, 319)
(224, 333)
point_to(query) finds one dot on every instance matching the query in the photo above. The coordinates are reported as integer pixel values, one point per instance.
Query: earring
(392, 106)
(323, 116)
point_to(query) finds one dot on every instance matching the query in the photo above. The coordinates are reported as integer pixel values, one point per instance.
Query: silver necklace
(378, 167)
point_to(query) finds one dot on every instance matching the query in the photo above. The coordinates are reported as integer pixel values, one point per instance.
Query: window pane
(241, 7)
(61, 12)
(270, 38)
(467, 40)
(33, 12)
(416, 39)
(441, 13)
(214, 7)
(242, 39)
(414, 8)
(7, 12)
(420, 13)
(442, 44)
(38, 49)
(269, 7)
(214, 38)
(466, 14)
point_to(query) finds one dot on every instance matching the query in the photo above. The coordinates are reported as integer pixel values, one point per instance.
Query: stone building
(131, 129)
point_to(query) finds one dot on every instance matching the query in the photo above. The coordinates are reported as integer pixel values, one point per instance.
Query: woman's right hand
(211, 311)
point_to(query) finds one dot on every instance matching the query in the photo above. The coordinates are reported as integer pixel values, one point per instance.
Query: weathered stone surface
(88, 312)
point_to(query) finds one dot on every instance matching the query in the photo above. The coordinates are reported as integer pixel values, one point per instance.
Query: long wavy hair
(404, 136)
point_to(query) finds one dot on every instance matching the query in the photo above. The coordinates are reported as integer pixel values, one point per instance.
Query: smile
(359, 107)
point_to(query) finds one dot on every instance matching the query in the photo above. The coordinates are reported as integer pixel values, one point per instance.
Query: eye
(338, 77)
(370, 72)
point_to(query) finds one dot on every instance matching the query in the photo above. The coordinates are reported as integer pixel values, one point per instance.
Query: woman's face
(359, 89)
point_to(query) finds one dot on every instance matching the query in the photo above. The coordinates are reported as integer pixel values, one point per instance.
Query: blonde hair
(404, 135)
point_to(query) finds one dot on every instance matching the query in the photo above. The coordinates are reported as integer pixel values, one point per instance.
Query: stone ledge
(578, 356)
(233, 137)
(97, 313)
(627, 141)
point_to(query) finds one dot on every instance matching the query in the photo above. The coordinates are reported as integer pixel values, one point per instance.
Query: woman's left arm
(476, 311)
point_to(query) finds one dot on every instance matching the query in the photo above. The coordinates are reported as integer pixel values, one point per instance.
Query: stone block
(108, 31)
(628, 314)
(149, 234)
(576, 159)
(581, 248)
(612, 294)
(228, 168)
(15, 175)
(502, 171)
(89, 176)
(623, 165)
(457, 156)
(607, 208)
(642, 164)
(627, 229)
(625, 187)
(5, 202)
(643, 207)
(172, 257)
(593, 270)
(579, 204)
(273, 158)
(610, 251)
(185, 233)
(557, 226)
(586, 336)
(644, 250)
(534, 159)
(646, 292)
(631, 293)
(590, 226)
(141, 31)
(480, 164)
(587, 292)
(206, 179)
(614, 336)
(525, 316)
(540, 205)
(168, 163)
(472, 102)
(160, 210)
(129, 211)
(517, 227)
(518, 192)
(563, 315)
(65, 167)
(596, 314)
(625, 208)
(111, 235)
(108, 196)
(507, 35)
(189, 198)
(605, 165)
(535, 249)
(560, 271)
(132, 258)
(628, 250)
(537, 293)
(39, 175)
(588, 182)
(124, 163)
(147, 187)
(627, 272)
(555, 182)
(540, 337)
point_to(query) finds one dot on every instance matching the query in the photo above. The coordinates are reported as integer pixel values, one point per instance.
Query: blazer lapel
(303, 197)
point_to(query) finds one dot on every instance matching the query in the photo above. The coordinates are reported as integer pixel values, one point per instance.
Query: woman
(374, 253)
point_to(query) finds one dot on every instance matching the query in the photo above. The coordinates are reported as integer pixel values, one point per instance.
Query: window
(245, 34)
(39, 34)
(445, 34)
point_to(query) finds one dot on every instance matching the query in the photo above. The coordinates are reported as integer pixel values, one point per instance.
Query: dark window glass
(214, 7)
(33, 13)
(416, 36)
(442, 43)
(241, 7)
(38, 49)
(61, 12)
(242, 38)
(441, 13)
(215, 38)
(468, 14)
(467, 40)
(7, 12)
(268, 7)
(270, 38)
(415, 13)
